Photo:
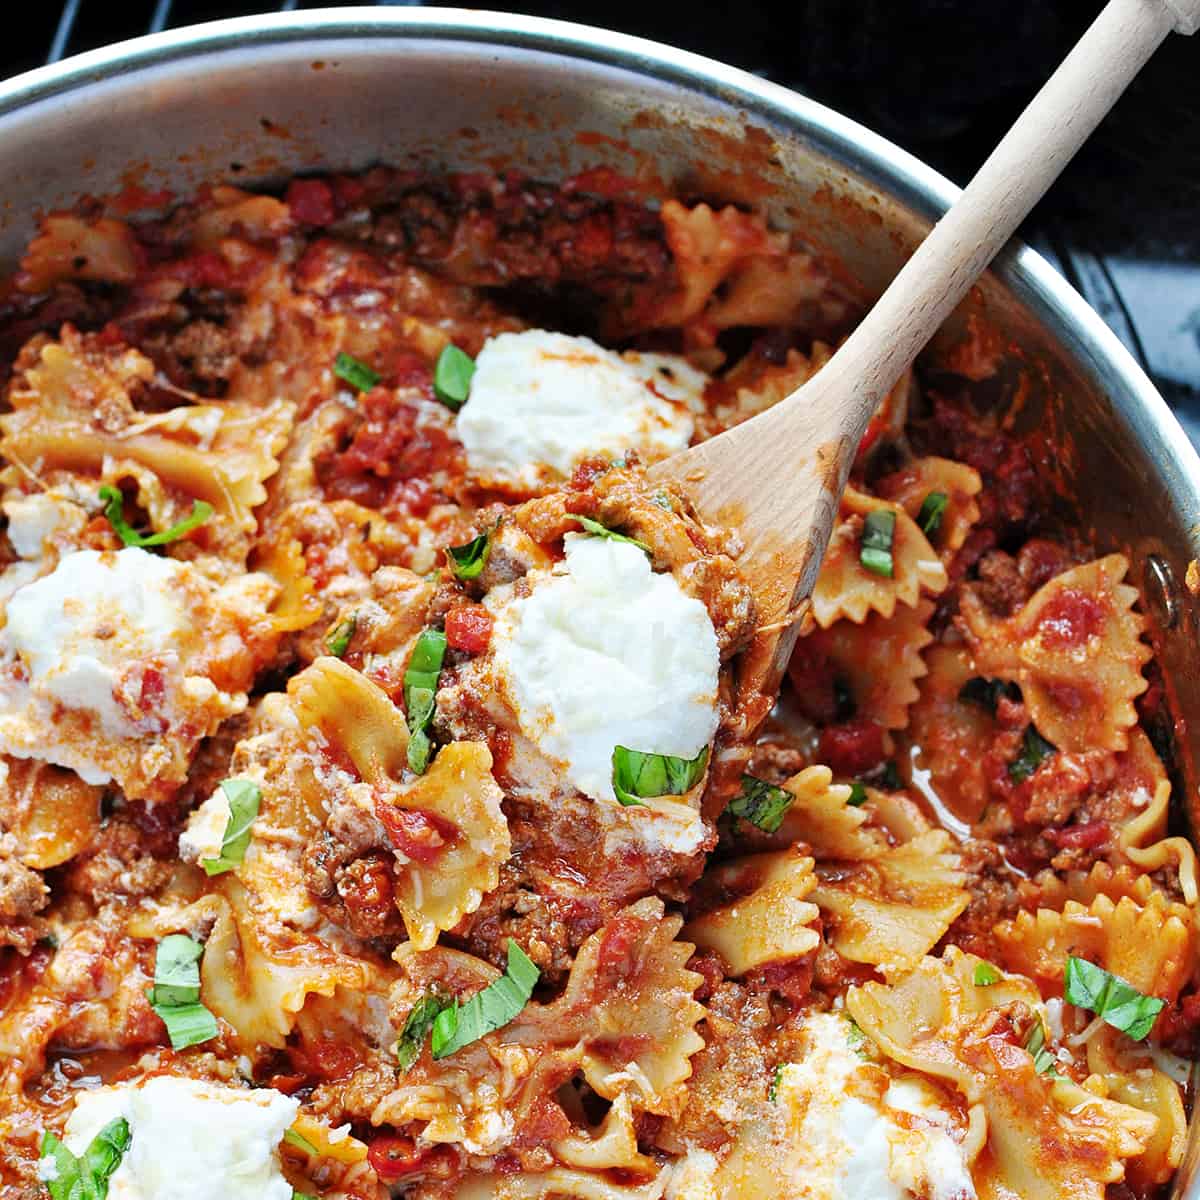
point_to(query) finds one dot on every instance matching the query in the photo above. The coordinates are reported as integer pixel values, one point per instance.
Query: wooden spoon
(776, 479)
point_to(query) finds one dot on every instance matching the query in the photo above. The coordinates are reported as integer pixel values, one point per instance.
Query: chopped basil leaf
(85, 1177)
(452, 377)
(175, 996)
(468, 560)
(987, 692)
(420, 748)
(986, 975)
(244, 798)
(176, 970)
(1034, 750)
(357, 374)
(761, 803)
(114, 510)
(875, 550)
(298, 1195)
(856, 1039)
(416, 1028)
(773, 1090)
(1043, 1060)
(1115, 1001)
(460, 1025)
(187, 1024)
(337, 640)
(640, 773)
(598, 530)
(858, 795)
(930, 516)
(887, 777)
(420, 694)
(300, 1142)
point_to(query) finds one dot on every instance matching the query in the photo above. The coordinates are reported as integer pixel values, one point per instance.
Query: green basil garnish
(875, 550)
(930, 516)
(761, 803)
(1115, 1001)
(85, 1177)
(639, 774)
(452, 377)
(461, 1024)
(300, 1142)
(1034, 751)
(1043, 1061)
(468, 560)
(986, 975)
(357, 374)
(416, 1028)
(175, 996)
(858, 795)
(114, 510)
(598, 530)
(337, 640)
(420, 694)
(986, 693)
(244, 798)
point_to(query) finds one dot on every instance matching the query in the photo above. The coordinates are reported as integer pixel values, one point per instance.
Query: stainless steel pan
(263, 97)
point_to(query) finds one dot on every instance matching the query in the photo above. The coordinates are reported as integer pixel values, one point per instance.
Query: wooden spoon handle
(960, 246)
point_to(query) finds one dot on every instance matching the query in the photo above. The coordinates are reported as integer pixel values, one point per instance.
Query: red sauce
(395, 1156)
(614, 961)
(792, 979)
(1087, 836)
(853, 747)
(326, 1059)
(392, 453)
(1071, 618)
(418, 834)
(469, 628)
(813, 676)
(311, 202)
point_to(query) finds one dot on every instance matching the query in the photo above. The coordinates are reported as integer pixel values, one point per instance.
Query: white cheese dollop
(34, 520)
(75, 628)
(545, 400)
(602, 653)
(205, 832)
(847, 1148)
(189, 1140)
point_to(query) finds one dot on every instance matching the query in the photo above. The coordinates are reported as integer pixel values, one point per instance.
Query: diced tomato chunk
(417, 833)
(311, 201)
(1081, 837)
(326, 1059)
(395, 1156)
(853, 747)
(468, 628)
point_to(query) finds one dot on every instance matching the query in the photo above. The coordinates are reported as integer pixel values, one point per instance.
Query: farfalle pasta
(383, 805)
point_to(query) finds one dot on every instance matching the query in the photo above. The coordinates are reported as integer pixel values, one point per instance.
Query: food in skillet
(380, 811)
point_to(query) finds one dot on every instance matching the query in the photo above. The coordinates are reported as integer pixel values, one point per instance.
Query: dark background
(944, 79)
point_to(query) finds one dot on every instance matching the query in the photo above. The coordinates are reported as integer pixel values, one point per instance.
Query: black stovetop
(944, 78)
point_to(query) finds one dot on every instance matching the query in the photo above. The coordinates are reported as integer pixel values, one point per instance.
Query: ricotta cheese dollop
(542, 402)
(602, 653)
(189, 1140)
(75, 628)
(36, 519)
(850, 1147)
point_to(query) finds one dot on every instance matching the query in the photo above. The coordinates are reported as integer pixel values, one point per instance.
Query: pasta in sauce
(378, 811)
